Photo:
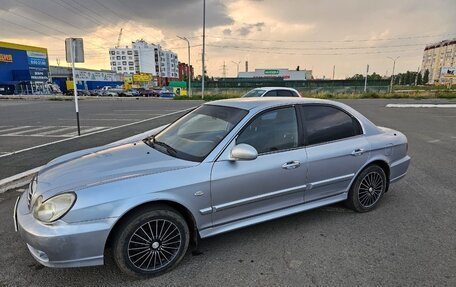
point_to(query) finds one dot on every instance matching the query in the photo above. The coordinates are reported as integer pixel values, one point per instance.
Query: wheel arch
(184, 211)
(383, 164)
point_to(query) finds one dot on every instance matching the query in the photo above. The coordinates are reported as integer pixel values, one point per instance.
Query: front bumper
(61, 244)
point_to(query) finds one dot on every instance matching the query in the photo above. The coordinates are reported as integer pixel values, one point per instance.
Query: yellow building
(438, 57)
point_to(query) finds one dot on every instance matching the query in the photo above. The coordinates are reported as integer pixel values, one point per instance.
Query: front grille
(30, 192)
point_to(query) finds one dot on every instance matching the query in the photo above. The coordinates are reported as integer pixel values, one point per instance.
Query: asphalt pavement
(29, 124)
(409, 240)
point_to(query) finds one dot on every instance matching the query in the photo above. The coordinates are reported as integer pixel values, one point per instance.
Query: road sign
(78, 45)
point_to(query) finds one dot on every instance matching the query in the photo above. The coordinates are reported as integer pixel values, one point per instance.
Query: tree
(419, 79)
(356, 77)
(426, 77)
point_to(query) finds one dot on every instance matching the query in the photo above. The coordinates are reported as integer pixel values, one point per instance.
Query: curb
(421, 105)
(18, 180)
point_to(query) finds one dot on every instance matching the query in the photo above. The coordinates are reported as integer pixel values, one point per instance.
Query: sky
(315, 35)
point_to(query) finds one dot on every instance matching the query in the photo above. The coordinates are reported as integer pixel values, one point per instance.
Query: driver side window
(272, 131)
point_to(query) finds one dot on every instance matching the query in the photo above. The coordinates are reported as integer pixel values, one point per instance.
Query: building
(143, 57)
(25, 68)
(439, 58)
(183, 71)
(86, 79)
(285, 74)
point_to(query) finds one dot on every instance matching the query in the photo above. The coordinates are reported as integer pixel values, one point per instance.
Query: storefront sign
(142, 77)
(39, 74)
(7, 58)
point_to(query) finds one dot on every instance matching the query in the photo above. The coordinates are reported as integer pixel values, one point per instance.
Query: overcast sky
(269, 34)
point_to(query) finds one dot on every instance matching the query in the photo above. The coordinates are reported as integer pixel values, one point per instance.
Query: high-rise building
(143, 57)
(437, 57)
(183, 71)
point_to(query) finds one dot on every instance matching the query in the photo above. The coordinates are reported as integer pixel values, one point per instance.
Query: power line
(331, 41)
(308, 54)
(329, 48)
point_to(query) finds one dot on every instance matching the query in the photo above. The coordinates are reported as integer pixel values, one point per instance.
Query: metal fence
(239, 86)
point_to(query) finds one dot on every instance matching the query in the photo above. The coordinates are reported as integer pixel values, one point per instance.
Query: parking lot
(408, 240)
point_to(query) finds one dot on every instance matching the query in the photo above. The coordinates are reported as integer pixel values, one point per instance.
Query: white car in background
(272, 92)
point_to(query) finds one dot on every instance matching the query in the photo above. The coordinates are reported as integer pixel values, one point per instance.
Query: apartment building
(438, 57)
(143, 57)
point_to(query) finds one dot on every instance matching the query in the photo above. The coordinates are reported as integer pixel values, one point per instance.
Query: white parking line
(421, 105)
(83, 131)
(32, 130)
(112, 120)
(95, 132)
(63, 129)
(14, 129)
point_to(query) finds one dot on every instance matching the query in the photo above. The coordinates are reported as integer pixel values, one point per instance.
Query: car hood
(107, 164)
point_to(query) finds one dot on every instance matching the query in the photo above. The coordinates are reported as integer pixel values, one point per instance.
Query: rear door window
(325, 124)
(271, 94)
(284, 93)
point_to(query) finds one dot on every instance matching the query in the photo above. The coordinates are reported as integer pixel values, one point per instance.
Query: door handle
(291, 164)
(358, 151)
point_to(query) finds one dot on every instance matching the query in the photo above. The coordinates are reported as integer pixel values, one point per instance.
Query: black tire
(367, 190)
(143, 257)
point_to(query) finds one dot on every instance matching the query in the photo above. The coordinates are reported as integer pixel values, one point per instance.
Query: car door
(336, 150)
(274, 180)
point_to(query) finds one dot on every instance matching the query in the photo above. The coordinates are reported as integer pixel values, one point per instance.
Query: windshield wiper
(168, 148)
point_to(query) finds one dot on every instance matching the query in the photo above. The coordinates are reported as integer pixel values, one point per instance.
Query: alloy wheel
(154, 245)
(370, 189)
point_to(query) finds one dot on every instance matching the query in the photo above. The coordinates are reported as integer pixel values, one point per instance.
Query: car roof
(257, 104)
(265, 102)
(274, 88)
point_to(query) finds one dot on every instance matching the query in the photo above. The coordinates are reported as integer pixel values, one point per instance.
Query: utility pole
(392, 74)
(334, 72)
(189, 75)
(237, 67)
(365, 81)
(203, 74)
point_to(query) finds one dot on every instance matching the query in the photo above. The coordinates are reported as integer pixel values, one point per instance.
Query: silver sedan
(225, 165)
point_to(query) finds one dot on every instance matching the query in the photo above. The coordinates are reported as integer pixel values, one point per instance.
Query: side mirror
(244, 152)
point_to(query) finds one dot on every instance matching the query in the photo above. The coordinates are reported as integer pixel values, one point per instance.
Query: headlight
(53, 208)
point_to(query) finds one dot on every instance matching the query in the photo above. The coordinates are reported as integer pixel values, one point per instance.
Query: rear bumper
(398, 169)
(61, 244)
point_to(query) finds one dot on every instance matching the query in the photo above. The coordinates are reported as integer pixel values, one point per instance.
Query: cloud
(305, 29)
(246, 29)
(227, 32)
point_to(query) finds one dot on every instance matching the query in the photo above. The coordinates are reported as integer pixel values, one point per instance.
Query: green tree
(426, 77)
(419, 80)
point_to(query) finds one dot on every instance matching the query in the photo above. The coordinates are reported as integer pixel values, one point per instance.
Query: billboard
(143, 77)
(38, 74)
(82, 75)
(448, 72)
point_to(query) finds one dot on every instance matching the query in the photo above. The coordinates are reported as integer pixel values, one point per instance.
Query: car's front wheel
(151, 242)
(367, 189)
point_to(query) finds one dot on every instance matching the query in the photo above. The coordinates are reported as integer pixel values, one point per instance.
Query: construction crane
(120, 38)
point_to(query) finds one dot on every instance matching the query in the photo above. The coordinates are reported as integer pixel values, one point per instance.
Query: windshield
(254, 93)
(196, 134)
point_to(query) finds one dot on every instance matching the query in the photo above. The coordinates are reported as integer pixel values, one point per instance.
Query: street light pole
(392, 75)
(189, 76)
(237, 67)
(203, 74)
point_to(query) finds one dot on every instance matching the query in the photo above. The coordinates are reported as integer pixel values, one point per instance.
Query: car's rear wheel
(367, 190)
(151, 242)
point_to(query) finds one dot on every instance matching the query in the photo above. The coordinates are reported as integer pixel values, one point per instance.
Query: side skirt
(211, 231)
